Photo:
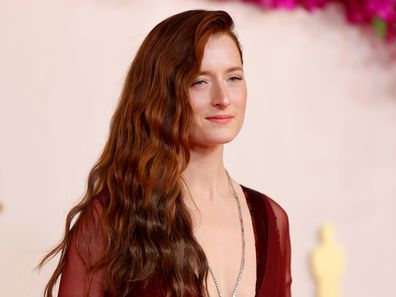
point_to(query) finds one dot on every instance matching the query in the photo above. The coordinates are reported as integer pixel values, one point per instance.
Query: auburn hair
(146, 227)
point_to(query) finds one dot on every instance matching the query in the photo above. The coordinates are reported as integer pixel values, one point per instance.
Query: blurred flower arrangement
(380, 13)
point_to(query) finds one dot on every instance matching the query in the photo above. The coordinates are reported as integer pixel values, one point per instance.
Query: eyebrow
(227, 71)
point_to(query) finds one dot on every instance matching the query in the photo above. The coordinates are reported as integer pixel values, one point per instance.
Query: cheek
(197, 103)
(241, 99)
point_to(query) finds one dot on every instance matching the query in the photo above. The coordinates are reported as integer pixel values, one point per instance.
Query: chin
(217, 140)
(203, 138)
(224, 140)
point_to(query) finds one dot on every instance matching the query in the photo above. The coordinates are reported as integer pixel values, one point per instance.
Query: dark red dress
(273, 252)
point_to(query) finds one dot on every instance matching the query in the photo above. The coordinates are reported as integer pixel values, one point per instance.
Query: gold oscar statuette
(327, 263)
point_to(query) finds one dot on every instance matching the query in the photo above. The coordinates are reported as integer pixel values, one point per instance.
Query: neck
(205, 174)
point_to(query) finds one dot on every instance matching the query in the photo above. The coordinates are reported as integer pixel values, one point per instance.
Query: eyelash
(232, 78)
(198, 82)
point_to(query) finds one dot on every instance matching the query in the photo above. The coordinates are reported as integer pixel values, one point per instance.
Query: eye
(235, 78)
(199, 82)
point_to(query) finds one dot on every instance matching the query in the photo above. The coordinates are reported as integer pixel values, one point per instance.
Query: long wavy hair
(146, 227)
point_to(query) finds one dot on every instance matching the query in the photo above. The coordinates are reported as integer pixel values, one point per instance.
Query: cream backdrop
(319, 135)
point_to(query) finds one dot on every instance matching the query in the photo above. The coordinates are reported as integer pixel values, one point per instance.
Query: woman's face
(218, 94)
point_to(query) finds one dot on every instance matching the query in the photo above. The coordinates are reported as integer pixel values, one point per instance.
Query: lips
(219, 117)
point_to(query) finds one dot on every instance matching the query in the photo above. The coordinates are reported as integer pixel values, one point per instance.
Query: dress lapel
(258, 212)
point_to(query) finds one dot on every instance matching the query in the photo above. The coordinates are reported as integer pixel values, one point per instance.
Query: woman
(161, 216)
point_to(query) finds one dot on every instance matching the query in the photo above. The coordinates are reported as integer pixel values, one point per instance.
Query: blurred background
(319, 134)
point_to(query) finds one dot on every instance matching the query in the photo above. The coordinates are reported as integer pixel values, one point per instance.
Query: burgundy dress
(273, 254)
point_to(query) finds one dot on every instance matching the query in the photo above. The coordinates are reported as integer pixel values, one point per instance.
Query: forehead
(220, 51)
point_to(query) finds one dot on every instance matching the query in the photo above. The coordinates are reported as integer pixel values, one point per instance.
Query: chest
(217, 228)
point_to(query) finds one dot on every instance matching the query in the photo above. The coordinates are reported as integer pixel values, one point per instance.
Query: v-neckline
(261, 241)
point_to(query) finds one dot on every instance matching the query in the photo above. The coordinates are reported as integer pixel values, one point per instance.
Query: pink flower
(384, 9)
(312, 4)
(357, 11)
(288, 4)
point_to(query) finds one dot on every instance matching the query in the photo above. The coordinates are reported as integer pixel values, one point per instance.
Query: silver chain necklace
(242, 266)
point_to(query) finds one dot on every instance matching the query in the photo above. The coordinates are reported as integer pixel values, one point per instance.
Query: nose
(220, 96)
